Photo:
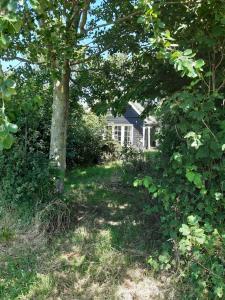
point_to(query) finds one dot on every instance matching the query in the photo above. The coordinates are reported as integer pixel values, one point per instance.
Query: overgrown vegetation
(87, 143)
(102, 256)
(190, 188)
(167, 55)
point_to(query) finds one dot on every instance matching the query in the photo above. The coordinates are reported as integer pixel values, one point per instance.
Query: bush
(85, 140)
(190, 190)
(110, 150)
(138, 162)
(25, 177)
(86, 143)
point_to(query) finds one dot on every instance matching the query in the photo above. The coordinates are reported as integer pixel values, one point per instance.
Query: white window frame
(122, 132)
(148, 129)
(132, 133)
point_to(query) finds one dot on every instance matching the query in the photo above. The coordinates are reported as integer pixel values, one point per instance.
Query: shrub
(85, 140)
(133, 162)
(190, 190)
(86, 143)
(25, 177)
(110, 150)
(138, 162)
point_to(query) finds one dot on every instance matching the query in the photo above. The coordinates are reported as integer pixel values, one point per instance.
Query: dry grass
(102, 257)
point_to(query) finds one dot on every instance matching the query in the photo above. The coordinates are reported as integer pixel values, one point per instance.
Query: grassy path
(103, 255)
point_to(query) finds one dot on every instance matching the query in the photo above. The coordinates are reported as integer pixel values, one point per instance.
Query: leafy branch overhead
(166, 45)
(10, 25)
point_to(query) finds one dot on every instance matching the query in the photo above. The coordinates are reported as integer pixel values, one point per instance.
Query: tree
(53, 35)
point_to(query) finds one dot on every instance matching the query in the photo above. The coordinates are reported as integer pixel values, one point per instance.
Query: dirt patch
(138, 286)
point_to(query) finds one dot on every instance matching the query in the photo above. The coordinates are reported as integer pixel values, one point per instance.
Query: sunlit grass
(92, 259)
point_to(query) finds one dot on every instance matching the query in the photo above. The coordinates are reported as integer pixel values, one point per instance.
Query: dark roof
(150, 120)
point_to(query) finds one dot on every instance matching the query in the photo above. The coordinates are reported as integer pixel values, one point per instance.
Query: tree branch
(221, 58)
(75, 12)
(221, 86)
(84, 16)
(128, 17)
(21, 59)
(88, 58)
(203, 121)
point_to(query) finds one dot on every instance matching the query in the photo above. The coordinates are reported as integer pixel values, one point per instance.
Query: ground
(102, 255)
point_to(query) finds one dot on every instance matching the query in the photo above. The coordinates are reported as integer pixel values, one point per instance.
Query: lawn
(103, 255)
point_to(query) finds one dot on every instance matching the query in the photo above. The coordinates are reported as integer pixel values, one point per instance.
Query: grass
(102, 256)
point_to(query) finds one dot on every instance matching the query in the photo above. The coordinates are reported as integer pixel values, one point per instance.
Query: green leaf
(17, 26)
(153, 263)
(3, 132)
(13, 128)
(193, 220)
(146, 182)
(152, 189)
(199, 63)
(12, 5)
(185, 230)
(187, 52)
(164, 258)
(9, 92)
(190, 176)
(219, 292)
(136, 183)
(8, 141)
(4, 40)
(141, 20)
(198, 180)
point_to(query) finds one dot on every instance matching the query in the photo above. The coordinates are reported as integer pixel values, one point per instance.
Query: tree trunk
(59, 126)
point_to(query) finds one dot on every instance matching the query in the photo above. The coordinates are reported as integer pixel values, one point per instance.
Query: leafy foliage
(173, 58)
(26, 177)
(9, 25)
(189, 189)
(87, 143)
(85, 139)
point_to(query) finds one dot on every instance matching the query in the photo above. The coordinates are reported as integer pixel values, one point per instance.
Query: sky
(16, 63)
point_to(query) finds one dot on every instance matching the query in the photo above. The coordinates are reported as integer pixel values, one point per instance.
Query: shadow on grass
(110, 242)
(115, 206)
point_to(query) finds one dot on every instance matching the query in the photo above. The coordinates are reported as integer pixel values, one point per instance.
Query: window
(127, 135)
(149, 134)
(121, 133)
(118, 133)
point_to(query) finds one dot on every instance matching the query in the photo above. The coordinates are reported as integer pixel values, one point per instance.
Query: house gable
(130, 117)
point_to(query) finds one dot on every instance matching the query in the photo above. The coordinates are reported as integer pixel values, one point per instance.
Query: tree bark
(59, 126)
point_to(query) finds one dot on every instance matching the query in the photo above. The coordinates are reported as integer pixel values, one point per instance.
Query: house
(131, 128)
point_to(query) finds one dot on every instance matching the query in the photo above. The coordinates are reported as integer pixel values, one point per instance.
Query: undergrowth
(187, 183)
(101, 254)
